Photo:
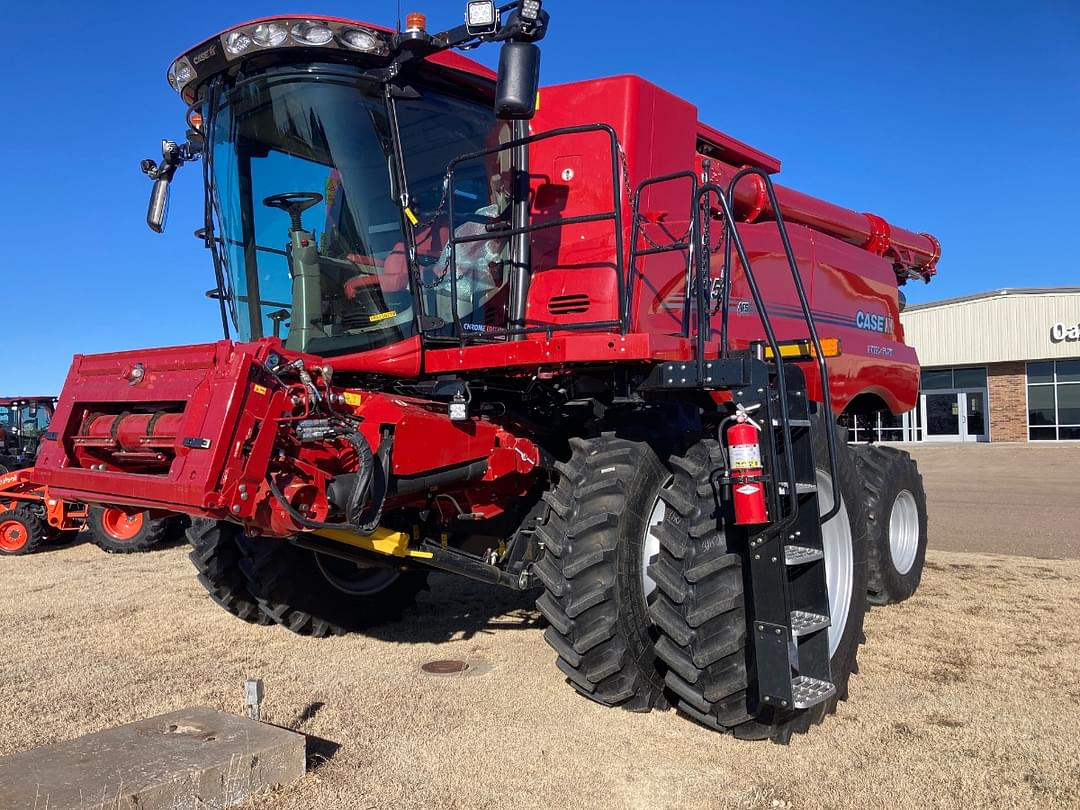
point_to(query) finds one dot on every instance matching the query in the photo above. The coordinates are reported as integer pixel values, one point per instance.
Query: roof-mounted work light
(530, 10)
(481, 18)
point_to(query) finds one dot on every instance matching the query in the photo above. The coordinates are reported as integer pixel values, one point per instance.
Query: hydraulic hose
(357, 520)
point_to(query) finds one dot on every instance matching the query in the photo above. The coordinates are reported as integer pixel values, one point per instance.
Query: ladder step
(804, 623)
(800, 488)
(807, 691)
(797, 555)
(793, 422)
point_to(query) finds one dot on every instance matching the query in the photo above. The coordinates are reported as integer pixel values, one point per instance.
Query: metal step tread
(793, 422)
(800, 488)
(807, 691)
(797, 555)
(803, 623)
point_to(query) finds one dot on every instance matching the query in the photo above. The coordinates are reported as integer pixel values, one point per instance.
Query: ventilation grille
(569, 304)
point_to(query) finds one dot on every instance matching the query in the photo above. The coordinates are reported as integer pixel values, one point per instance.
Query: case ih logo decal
(872, 322)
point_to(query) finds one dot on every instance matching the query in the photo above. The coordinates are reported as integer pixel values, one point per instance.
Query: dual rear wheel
(646, 597)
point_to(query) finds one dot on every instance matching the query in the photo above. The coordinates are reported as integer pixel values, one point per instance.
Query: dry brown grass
(969, 695)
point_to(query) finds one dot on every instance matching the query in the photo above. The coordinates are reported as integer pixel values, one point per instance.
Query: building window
(938, 379)
(1053, 389)
(884, 427)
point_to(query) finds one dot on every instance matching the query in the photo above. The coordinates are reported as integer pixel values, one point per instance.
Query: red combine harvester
(579, 341)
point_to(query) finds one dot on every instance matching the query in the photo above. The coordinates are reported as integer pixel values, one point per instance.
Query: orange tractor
(30, 517)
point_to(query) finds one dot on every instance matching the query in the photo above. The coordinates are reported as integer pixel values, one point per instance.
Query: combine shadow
(457, 609)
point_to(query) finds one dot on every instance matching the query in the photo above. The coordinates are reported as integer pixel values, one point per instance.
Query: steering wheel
(294, 203)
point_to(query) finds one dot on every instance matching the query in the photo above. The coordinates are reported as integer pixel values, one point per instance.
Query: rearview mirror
(159, 206)
(519, 81)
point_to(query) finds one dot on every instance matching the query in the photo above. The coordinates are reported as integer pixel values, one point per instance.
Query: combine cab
(587, 346)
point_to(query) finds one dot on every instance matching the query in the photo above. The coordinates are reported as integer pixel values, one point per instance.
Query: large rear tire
(896, 512)
(598, 539)
(119, 532)
(318, 595)
(216, 554)
(701, 611)
(21, 531)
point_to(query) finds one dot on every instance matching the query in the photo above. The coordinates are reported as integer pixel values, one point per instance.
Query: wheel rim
(839, 567)
(651, 543)
(121, 526)
(353, 578)
(12, 535)
(904, 531)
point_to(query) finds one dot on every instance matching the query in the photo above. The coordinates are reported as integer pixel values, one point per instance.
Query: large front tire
(318, 595)
(702, 614)
(896, 512)
(598, 539)
(216, 555)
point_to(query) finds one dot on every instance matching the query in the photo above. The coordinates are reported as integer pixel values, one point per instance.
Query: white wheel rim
(366, 581)
(904, 531)
(839, 568)
(651, 544)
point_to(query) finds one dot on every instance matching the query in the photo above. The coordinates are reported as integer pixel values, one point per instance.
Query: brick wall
(1008, 401)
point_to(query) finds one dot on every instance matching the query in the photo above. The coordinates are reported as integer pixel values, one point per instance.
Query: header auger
(586, 345)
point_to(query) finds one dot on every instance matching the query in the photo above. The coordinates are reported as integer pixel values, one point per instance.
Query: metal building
(1003, 365)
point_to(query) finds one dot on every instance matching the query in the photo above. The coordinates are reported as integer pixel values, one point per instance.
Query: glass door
(955, 416)
(974, 423)
(941, 412)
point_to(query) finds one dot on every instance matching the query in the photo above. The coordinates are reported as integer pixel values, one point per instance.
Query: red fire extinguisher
(747, 489)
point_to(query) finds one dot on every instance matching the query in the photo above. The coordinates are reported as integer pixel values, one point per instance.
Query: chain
(637, 217)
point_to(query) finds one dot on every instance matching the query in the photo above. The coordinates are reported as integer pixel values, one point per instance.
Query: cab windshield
(309, 212)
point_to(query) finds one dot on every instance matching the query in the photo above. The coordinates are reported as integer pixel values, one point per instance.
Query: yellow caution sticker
(353, 398)
(382, 316)
(260, 389)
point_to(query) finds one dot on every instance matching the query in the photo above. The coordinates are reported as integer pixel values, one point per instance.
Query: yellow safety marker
(382, 541)
(412, 217)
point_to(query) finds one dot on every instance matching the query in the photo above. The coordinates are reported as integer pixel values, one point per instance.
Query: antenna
(399, 16)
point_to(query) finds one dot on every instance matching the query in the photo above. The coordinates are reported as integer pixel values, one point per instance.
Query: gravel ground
(968, 695)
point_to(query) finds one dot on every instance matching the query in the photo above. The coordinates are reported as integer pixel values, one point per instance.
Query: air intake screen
(569, 304)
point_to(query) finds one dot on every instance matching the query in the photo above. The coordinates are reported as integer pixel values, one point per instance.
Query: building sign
(1064, 333)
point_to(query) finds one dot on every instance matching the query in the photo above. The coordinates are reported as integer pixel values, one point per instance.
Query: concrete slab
(192, 759)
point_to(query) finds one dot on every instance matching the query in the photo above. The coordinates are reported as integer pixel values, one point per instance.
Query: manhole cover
(444, 667)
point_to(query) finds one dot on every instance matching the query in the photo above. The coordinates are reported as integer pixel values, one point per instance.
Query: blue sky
(958, 118)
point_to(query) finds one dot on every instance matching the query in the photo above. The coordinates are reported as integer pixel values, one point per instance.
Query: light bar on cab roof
(266, 35)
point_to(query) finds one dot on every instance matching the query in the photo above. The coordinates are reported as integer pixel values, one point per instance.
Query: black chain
(641, 223)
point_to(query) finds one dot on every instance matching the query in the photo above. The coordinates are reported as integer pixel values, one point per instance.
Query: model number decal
(873, 322)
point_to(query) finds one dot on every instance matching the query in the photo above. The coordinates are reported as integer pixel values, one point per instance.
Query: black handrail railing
(685, 243)
(615, 215)
(796, 277)
(733, 238)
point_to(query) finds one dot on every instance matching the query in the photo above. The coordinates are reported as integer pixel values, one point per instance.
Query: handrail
(830, 432)
(615, 215)
(688, 245)
(733, 238)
